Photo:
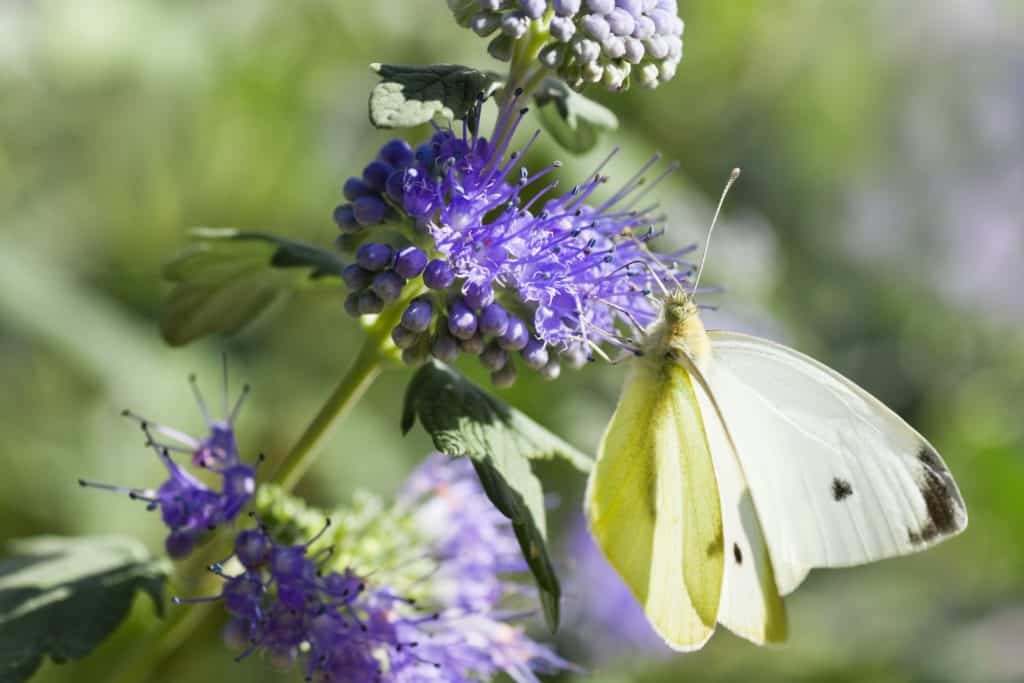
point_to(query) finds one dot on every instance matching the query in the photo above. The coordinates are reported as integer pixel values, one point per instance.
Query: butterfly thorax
(680, 331)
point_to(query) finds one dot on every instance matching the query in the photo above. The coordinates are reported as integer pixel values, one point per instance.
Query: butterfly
(733, 465)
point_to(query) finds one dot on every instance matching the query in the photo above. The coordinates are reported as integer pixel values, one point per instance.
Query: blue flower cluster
(437, 617)
(188, 507)
(506, 264)
(612, 42)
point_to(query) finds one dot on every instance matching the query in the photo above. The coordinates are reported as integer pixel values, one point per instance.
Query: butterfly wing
(751, 605)
(652, 504)
(837, 478)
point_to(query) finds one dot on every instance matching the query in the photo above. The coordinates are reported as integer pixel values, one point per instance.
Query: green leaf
(230, 277)
(61, 597)
(411, 95)
(463, 419)
(574, 121)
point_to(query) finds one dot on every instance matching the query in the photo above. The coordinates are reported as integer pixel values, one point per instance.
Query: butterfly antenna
(707, 242)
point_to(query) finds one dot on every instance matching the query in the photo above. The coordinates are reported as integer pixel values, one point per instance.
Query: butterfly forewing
(837, 478)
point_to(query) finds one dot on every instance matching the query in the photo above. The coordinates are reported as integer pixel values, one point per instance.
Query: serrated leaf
(574, 121)
(230, 277)
(61, 597)
(412, 95)
(463, 419)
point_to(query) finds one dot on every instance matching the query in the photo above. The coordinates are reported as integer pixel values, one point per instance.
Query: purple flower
(547, 274)
(441, 616)
(189, 508)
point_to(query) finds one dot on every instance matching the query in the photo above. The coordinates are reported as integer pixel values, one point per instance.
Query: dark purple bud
(474, 346)
(438, 275)
(355, 188)
(179, 544)
(493, 320)
(516, 336)
(252, 547)
(535, 354)
(461, 320)
(388, 286)
(415, 355)
(551, 371)
(493, 357)
(352, 304)
(375, 175)
(369, 210)
(239, 487)
(410, 262)
(396, 152)
(375, 256)
(444, 347)
(505, 377)
(425, 154)
(403, 337)
(369, 303)
(478, 295)
(356, 277)
(395, 187)
(345, 218)
(417, 316)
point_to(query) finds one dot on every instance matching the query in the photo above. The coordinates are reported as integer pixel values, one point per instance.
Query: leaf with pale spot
(412, 95)
(574, 121)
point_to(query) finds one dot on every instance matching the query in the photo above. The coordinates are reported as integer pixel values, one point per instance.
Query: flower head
(410, 593)
(188, 507)
(612, 42)
(510, 265)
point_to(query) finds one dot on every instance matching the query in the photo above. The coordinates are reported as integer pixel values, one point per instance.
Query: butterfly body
(733, 465)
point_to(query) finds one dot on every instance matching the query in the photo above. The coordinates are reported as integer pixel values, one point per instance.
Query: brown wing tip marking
(945, 508)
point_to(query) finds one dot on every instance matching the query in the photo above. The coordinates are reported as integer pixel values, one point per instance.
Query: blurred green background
(878, 225)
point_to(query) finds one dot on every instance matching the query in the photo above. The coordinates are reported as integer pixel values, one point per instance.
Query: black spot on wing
(927, 533)
(841, 489)
(737, 553)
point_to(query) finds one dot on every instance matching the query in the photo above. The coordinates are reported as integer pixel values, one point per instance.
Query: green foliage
(464, 420)
(412, 95)
(230, 277)
(574, 121)
(61, 597)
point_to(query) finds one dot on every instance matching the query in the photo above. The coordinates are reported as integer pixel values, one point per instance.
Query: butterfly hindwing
(653, 506)
(838, 479)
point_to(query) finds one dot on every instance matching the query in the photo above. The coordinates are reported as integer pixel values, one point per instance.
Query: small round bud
(474, 346)
(493, 357)
(345, 218)
(535, 354)
(461, 320)
(551, 371)
(438, 275)
(369, 210)
(444, 346)
(375, 175)
(388, 286)
(418, 314)
(252, 547)
(534, 9)
(356, 277)
(179, 544)
(620, 22)
(369, 303)
(374, 256)
(493, 320)
(600, 6)
(505, 377)
(414, 355)
(403, 337)
(477, 295)
(395, 187)
(566, 8)
(596, 27)
(354, 189)
(516, 336)
(352, 304)
(410, 262)
(562, 29)
(396, 152)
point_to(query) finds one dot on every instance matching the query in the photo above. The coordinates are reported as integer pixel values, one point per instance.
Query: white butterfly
(733, 466)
